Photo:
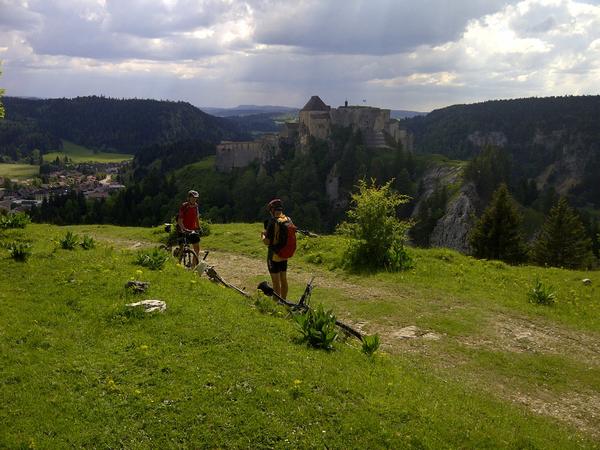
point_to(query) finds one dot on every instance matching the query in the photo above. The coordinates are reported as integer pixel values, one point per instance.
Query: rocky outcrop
(482, 139)
(432, 179)
(452, 230)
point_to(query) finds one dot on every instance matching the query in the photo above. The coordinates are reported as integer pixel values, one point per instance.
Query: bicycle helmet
(275, 204)
(193, 193)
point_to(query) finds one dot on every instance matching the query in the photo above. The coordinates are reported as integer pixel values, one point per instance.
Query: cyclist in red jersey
(188, 220)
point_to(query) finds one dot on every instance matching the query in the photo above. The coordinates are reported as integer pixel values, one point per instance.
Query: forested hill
(120, 125)
(456, 130)
(554, 140)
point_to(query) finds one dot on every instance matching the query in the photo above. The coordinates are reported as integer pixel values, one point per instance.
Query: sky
(399, 54)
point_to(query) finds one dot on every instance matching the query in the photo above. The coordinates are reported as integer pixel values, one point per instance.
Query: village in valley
(94, 179)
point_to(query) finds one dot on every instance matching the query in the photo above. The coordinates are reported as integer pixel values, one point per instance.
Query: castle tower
(314, 119)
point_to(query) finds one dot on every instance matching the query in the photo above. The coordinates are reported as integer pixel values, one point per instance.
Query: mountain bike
(184, 252)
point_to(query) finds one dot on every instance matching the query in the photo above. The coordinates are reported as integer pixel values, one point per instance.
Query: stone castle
(316, 120)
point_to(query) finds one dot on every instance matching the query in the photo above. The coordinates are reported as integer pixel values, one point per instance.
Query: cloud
(14, 15)
(151, 19)
(377, 27)
(394, 53)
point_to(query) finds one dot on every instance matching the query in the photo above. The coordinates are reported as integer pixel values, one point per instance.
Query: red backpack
(287, 237)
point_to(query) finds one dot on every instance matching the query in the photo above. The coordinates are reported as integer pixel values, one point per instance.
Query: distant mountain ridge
(249, 110)
(405, 114)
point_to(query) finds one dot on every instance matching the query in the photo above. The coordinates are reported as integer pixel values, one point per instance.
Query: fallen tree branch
(302, 304)
(269, 291)
(214, 276)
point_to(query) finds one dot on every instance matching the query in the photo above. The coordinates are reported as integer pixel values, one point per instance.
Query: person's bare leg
(284, 284)
(276, 283)
(197, 250)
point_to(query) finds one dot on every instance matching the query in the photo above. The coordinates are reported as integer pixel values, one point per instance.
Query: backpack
(285, 230)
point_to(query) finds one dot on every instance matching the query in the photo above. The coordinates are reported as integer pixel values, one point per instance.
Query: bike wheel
(188, 258)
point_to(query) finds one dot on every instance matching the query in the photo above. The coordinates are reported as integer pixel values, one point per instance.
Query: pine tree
(497, 234)
(563, 241)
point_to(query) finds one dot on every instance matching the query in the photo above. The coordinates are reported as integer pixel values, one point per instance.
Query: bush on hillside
(376, 238)
(17, 220)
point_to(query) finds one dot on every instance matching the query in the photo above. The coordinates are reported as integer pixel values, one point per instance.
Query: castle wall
(362, 118)
(314, 123)
(231, 155)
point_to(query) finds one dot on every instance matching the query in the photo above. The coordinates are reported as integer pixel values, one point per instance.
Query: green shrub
(370, 344)
(152, 259)
(88, 243)
(541, 294)
(69, 242)
(19, 251)
(376, 237)
(317, 327)
(205, 227)
(17, 220)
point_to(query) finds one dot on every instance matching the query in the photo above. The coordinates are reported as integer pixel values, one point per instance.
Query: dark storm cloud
(376, 27)
(154, 19)
(86, 30)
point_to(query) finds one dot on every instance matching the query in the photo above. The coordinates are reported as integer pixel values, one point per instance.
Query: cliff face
(452, 229)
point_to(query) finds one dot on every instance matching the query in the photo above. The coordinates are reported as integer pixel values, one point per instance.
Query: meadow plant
(152, 259)
(88, 243)
(69, 241)
(541, 294)
(370, 344)
(19, 251)
(317, 327)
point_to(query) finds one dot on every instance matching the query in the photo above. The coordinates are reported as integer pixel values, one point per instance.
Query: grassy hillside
(78, 370)
(79, 154)
(18, 171)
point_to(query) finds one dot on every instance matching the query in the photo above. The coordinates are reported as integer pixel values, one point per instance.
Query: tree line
(100, 123)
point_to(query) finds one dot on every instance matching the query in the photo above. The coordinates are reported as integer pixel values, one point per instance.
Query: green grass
(78, 370)
(80, 154)
(18, 171)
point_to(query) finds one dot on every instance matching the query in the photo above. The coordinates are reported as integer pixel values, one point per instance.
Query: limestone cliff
(452, 229)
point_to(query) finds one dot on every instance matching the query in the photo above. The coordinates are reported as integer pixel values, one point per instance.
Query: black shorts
(192, 238)
(276, 266)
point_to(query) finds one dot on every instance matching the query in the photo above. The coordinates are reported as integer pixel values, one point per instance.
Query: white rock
(150, 305)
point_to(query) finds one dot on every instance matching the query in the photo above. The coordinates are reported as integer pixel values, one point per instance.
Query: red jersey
(189, 216)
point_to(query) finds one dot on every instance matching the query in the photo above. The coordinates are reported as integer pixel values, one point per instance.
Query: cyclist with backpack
(188, 221)
(280, 236)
